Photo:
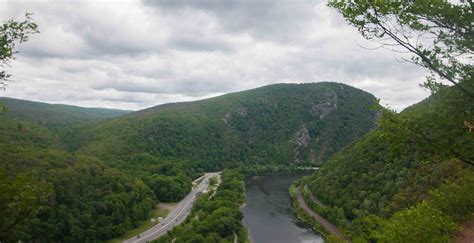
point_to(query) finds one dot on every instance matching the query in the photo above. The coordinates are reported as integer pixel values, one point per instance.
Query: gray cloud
(133, 54)
(284, 21)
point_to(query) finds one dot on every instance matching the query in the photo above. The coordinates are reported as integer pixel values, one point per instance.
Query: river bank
(268, 214)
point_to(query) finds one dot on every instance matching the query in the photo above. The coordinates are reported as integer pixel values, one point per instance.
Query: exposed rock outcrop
(302, 140)
(322, 109)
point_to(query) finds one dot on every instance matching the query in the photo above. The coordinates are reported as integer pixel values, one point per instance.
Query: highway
(176, 216)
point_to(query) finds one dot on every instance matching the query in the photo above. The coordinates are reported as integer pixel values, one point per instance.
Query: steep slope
(42, 124)
(20, 132)
(300, 123)
(51, 195)
(412, 173)
(127, 163)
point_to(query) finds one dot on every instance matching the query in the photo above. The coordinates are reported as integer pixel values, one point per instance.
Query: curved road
(176, 216)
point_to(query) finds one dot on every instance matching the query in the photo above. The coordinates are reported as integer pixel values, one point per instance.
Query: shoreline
(319, 224)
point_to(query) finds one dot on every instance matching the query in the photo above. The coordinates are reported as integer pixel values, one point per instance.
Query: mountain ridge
(126, 164)
(295, 118)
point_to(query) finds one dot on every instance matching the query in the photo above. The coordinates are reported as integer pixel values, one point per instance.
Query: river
(268, 215)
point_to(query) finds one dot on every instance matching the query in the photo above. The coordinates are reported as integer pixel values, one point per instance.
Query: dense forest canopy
(80, 174)
(68, 197)
(96, 173)
(397, 171)
(411, 178)
(281, 124)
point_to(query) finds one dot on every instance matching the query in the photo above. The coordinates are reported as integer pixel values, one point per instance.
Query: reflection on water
(268, 214)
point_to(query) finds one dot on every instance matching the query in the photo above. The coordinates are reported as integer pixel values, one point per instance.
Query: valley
(232, 132)
(223, 125)
(158, 152)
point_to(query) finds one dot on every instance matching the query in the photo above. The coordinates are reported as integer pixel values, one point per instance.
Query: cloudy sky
(135, 54)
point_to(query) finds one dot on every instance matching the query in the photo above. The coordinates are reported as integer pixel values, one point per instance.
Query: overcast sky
(137, 54)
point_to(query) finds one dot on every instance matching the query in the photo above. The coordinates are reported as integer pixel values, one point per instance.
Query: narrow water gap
(268, 214)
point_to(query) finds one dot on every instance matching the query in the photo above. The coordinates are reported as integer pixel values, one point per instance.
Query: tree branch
(407, 45)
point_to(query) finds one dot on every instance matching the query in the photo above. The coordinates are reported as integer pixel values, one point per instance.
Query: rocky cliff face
(319, 110)
(301, 141)
(322, 109)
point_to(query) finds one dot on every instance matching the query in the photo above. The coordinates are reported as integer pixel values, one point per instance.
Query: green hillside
(55, 116)
(409, 180)
(51, 195)
(282, 123)
(85, 175)
(21, 132)
(42, 124)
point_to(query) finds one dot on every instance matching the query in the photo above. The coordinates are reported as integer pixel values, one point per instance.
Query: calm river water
(268, 214)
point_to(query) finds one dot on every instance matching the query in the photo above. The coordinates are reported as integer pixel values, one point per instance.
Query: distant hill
(45, 124)
(56, 115)
(281, 123)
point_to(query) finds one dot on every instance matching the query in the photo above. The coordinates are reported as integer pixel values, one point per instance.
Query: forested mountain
(56, 114)
(43, 124)
(408, 180)
(50, 194)
(84, 176)
(282, 123)
(72, 174)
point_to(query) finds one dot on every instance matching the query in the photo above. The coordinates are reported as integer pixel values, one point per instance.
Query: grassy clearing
(159, 211)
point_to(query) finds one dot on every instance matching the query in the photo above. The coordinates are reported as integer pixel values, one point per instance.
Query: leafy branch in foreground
(11, 33)
(438, 33)
(439, 36)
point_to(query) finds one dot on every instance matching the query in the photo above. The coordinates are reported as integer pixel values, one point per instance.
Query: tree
(11, 33)
(438, 33)
(169, 188)
(421, 223)
(20, 199)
